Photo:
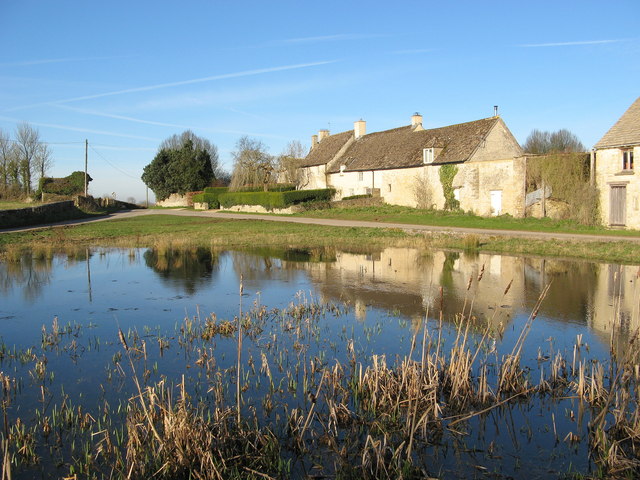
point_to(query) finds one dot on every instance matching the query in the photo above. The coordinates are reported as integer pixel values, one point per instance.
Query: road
(336, 223)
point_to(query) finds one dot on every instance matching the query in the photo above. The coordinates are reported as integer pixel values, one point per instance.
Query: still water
(387, 293)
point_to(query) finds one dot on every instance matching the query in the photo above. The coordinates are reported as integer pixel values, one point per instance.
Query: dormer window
(427, 155)
(627, 160)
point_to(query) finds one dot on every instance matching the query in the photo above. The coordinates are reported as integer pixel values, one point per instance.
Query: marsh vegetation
(316, 363)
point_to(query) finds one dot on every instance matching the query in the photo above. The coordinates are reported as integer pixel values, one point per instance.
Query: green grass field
(167, 229)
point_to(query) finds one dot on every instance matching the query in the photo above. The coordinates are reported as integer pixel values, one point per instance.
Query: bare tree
(7, 160)
(177, 141)
(43, 161)
(28, 145)
(289, 161)
(252, 165)
(561, 141)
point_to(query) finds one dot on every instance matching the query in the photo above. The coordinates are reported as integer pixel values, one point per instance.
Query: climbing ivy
(447, 173)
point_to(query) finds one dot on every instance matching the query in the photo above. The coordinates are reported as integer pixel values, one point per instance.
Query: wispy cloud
(80, 129)
(415, 51)
(245, 73)
(569, 44)
(161, 124)
(329, 38)
(26, 63)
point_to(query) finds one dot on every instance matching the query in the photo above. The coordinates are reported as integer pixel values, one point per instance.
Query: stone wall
(608, 173)
(50, 212)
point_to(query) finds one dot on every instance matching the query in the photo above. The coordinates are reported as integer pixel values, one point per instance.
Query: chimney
(314, 140)
(359, 128)
(416, 119)
(495, 110)
(322, 134)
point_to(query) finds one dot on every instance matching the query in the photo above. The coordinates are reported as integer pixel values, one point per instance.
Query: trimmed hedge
(271, 200)
(211, 196)
(355, 197)
(273, 187)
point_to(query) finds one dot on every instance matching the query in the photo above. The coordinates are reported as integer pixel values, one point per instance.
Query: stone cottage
(403, 165)
(615, 173)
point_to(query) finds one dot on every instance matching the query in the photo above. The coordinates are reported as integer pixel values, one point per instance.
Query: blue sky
(126, 75)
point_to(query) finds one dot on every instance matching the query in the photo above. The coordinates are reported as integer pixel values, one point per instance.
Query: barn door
(496, 202)
(618, 205)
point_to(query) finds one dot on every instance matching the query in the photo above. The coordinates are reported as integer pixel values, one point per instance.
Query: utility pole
(86, 161)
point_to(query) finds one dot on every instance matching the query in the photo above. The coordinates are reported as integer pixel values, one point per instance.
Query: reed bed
(267, 395)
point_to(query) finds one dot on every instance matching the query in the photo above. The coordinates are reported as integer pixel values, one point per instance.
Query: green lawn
(13, 205)
(397, 214)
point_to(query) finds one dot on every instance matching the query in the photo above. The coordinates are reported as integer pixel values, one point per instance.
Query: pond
(364, 363)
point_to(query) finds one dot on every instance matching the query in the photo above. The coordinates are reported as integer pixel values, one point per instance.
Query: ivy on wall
(447, 173)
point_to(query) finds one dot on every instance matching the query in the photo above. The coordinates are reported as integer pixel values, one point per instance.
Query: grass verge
(148, 230)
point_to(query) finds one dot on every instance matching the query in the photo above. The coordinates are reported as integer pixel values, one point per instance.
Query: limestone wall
(609, 172)
(34, 215)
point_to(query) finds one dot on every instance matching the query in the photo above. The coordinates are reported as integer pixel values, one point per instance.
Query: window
(456, 193)
(389, 187)
(427, 155)
(360, 176)
(627, 159)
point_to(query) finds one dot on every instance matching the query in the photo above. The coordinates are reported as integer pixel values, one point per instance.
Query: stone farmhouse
(615, 173)
(402, 165)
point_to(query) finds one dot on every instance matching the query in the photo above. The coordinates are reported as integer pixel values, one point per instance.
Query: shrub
(271, 200)
(71, 185)
(355, 197)
(211, 196)
(274, 187)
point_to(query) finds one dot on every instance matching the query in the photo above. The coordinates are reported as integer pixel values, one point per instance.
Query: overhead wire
(112, 164)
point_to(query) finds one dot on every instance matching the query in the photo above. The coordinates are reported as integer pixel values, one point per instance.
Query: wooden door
(618, 205)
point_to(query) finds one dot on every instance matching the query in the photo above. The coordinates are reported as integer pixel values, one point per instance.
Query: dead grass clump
(174, 439)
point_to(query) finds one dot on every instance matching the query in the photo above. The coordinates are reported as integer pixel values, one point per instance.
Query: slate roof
(328, 148)
(626, 130)
(402, 147)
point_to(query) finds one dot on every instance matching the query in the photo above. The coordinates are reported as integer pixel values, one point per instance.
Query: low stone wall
(41, 214)
(261, 209)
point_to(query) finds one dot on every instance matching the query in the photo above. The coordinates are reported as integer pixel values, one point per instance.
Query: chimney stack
(359, 128)
(322, 134)
(495, 110)
(314, 140)
(416, 119)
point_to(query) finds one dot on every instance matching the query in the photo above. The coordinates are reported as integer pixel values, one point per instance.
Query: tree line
(23, 159)
(186, 163)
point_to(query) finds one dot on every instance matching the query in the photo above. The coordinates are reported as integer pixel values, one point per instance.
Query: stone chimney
(359, 128)
(314, 140)
(322, 134)
(416, 119)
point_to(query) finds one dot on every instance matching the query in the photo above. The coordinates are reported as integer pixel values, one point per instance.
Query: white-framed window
(427, 155)
(627, 159)
(360, 176)
(456, 193)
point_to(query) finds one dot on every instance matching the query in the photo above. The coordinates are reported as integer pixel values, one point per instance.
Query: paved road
(338, 223)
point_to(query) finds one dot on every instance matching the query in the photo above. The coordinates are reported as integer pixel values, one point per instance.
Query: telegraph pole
(86, 160)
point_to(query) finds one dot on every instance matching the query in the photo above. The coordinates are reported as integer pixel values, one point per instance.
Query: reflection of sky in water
(388, 292)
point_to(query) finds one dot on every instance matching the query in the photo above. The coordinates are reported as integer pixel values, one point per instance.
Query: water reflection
(407, 282)
(188, 268)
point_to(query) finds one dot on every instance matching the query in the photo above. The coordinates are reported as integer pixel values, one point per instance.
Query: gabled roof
(327, 149)
(401, 147)
(626, 130)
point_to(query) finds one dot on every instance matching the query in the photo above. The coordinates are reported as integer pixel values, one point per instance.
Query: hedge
(273, 187)
(271, 200)
(210, 196)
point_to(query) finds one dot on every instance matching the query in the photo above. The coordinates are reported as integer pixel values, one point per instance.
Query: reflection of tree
(446, 278)
(30, 271)
(190, 268)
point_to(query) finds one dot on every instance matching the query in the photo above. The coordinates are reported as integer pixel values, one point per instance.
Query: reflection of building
(616, 302)
(407, 282)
